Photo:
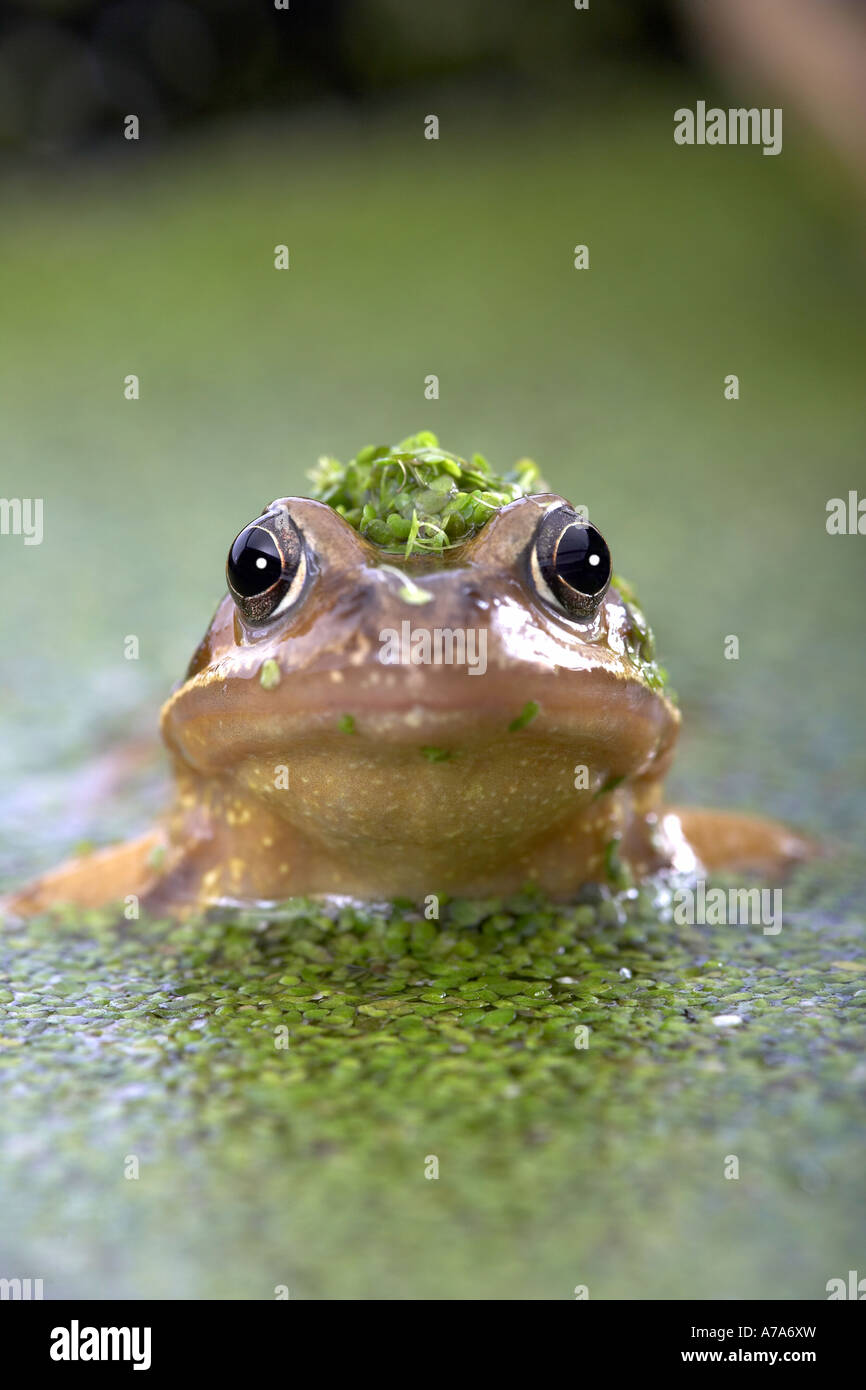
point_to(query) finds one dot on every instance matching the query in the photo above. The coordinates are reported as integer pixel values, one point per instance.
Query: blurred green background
(411, 257)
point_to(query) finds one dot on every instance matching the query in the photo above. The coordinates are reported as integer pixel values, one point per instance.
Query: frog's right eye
(570, 563)
(267, 567)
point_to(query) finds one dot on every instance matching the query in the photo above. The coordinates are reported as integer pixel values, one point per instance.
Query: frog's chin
(596, 717)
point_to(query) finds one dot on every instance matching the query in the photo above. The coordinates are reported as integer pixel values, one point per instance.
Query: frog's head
(420, 701)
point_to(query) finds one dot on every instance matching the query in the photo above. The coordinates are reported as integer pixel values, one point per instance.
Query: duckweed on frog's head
(415, 498)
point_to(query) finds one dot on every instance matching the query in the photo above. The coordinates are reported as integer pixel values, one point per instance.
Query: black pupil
(254, 562)
(582, 559)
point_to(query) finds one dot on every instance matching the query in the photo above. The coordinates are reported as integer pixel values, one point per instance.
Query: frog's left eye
(570, 562)
(267, 567)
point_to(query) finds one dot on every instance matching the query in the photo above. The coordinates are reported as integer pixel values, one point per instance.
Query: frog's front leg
(725, 841)
(94, 880)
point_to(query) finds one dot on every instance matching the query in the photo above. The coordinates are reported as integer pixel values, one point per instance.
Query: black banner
(85, 1339)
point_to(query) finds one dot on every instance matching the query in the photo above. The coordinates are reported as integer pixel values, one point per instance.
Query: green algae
(436, 755)
(640, 640)
(269, 677)
(610, 784)
(525, 717)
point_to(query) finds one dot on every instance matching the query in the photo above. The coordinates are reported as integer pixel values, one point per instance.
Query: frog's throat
(378, 842)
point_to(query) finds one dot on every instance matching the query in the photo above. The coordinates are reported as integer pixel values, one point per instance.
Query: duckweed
(373, 1037)
(414, 496)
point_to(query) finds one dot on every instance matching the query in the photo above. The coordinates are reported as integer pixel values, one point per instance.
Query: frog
(423, 680)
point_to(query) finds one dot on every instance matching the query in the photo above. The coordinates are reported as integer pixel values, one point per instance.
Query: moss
(436, 755)
(640, 640)
(269, 676)
(526, 716)
(610, 784)
(409, 591)
(617, 871)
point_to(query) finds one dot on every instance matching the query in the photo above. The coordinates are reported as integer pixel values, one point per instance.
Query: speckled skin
(366, 813)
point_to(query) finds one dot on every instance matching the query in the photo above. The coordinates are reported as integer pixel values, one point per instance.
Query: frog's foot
(728, 842)
(93, 880)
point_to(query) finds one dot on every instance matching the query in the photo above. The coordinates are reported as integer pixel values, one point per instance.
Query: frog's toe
(92, 880)
(729, 842)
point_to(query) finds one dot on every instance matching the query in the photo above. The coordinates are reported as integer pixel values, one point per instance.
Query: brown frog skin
(434, 784)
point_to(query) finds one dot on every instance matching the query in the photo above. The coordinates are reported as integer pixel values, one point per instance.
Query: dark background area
(70, 69)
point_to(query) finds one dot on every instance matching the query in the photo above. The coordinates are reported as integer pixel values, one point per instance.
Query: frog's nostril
(473, 597)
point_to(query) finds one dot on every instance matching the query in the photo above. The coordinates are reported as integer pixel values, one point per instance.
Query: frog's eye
(570, 563)
(267, 567)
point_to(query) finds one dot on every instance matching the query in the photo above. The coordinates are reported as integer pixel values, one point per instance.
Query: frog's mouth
(598, 715)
